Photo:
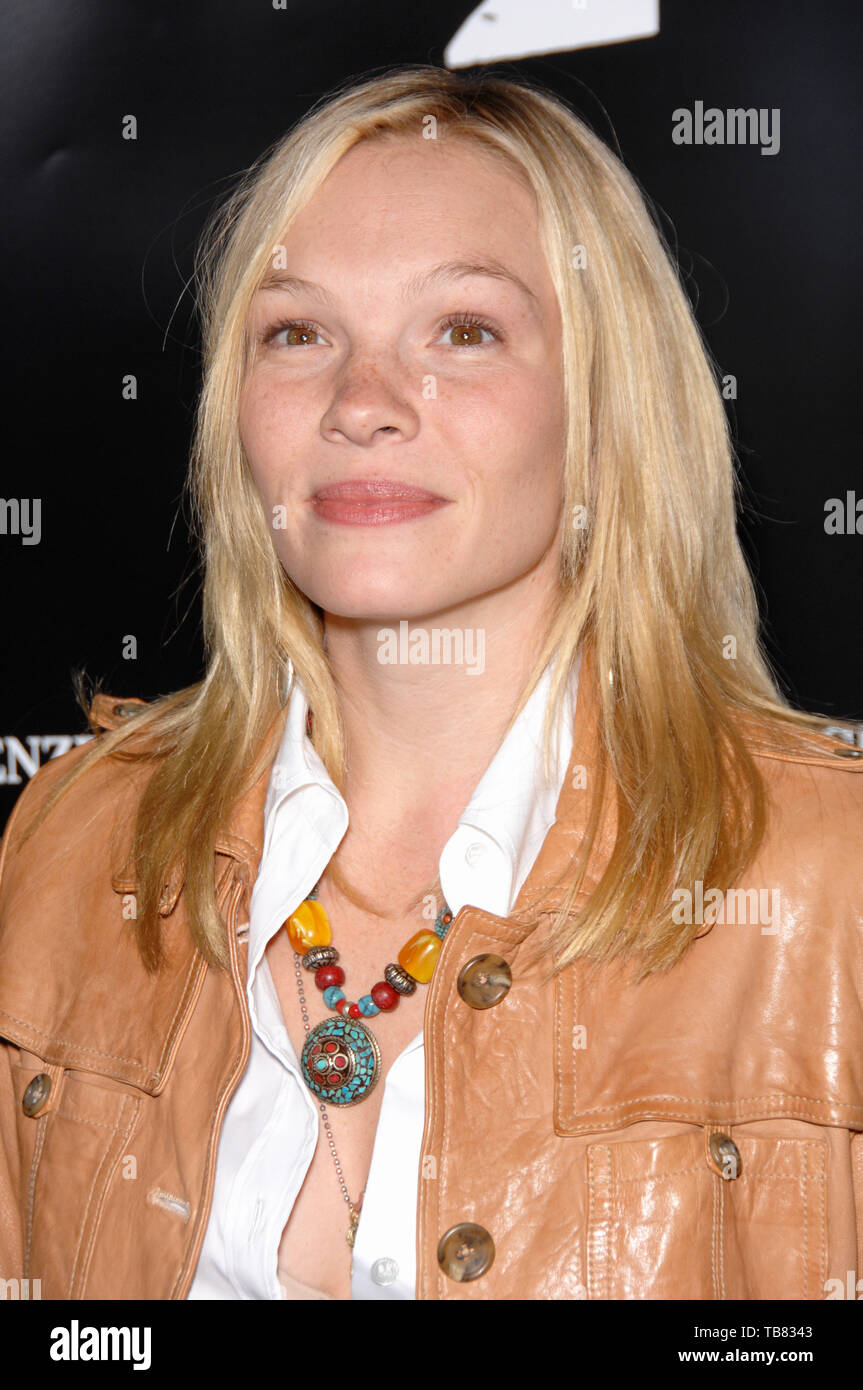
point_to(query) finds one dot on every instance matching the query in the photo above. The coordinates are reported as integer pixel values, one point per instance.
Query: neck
(421, 734)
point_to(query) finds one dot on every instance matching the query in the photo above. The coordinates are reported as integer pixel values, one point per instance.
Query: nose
(369, 402)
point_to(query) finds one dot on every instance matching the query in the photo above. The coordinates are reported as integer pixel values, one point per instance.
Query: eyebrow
(444, 273)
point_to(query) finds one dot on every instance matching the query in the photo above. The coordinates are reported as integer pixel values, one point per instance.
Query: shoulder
(814, 785)
(73, 986)
(787, 752)
(81, 817)
(837, 747)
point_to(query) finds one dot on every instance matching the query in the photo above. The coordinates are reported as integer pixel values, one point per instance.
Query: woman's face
(410, 366)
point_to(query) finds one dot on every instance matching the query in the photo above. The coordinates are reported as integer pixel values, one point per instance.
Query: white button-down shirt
(272, 1124)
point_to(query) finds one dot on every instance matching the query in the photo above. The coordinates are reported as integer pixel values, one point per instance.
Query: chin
(385, 609)
(383, 596)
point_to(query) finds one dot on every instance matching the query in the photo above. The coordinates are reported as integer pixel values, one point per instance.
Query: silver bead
(320, 955)
(401, 981)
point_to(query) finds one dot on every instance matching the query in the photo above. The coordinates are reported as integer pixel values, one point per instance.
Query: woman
(482, 925)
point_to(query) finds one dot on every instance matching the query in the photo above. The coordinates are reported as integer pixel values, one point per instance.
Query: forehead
(402, 200)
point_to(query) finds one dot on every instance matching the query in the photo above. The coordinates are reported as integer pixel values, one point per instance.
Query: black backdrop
(98, 240)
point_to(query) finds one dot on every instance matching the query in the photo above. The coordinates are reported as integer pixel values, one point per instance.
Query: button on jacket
(697, 1136)
(272, 1123)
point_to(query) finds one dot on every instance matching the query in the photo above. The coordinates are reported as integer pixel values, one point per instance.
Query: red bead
(343, 1007)
(354, 1011)
(329, 975)
(384, 995)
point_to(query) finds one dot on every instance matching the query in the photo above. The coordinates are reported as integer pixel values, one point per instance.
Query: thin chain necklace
(340, 1059)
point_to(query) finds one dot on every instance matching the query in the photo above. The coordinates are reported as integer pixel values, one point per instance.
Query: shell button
(385, 1271)
(465, 1252)
(725, 1155)
(484, 981)
(36, 1095)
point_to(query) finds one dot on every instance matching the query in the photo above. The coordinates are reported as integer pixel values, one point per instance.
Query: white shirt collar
(511, 808)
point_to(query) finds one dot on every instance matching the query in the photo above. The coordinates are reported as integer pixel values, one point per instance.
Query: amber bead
(419, 955)
(309, 926)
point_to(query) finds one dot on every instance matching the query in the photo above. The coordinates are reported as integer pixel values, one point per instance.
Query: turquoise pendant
(340, 1061)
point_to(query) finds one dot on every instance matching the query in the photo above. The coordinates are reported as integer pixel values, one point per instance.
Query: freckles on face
(413, 337)
(272, 421)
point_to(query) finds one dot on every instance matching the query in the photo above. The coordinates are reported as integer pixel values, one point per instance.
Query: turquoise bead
(332, 995)
(367, 1006)
(441, 927)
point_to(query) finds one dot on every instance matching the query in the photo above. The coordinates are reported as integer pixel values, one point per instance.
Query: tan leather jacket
(697, 1136)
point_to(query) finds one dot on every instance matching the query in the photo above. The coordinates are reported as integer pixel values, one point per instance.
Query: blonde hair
(655, 580)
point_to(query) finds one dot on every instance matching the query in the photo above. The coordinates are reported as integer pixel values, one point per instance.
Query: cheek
(528, 499)
(517, 437)
(520, 407)
(265, 424)
(251, 420)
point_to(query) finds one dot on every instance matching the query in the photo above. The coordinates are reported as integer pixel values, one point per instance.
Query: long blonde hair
(654, 578)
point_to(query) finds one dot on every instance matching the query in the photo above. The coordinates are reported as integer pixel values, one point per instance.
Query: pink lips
(373, 502)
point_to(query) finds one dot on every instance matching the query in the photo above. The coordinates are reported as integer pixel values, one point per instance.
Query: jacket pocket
(664, 1223)
(71, 1151)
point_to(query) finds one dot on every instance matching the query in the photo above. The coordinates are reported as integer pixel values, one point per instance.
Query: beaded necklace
(341, 1060)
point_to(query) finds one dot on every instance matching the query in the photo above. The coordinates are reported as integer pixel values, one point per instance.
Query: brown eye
(469, 330)
(300, 333)
(298, 336)
(466, 335)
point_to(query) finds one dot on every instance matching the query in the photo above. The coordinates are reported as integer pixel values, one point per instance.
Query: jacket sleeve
(11, 1196)
(11, 1234)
